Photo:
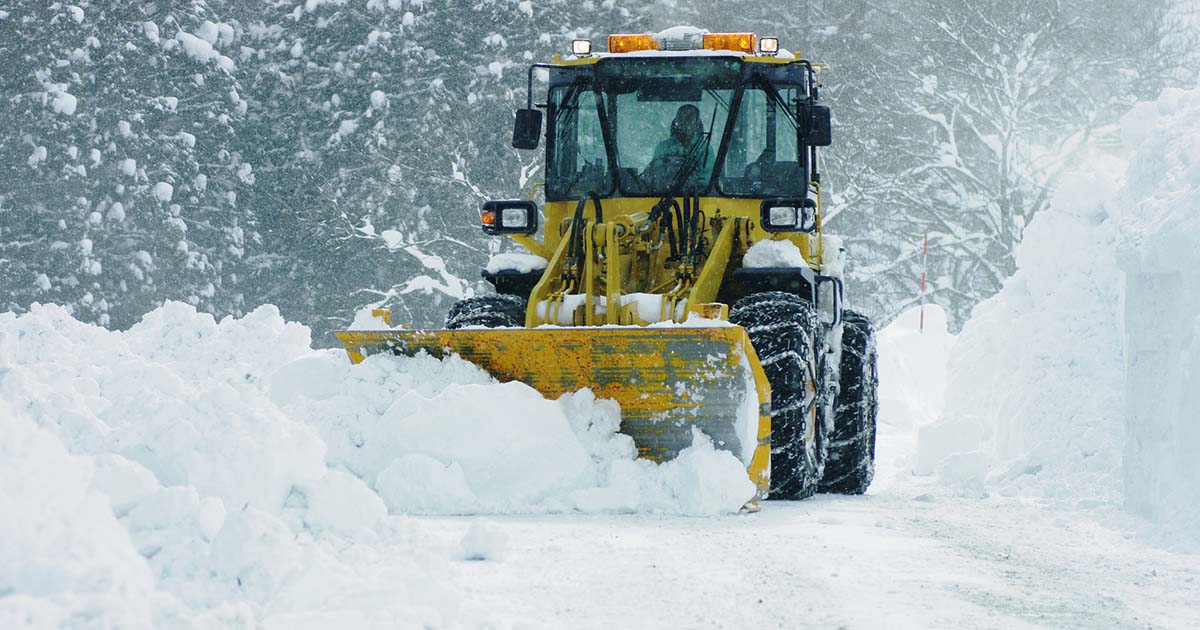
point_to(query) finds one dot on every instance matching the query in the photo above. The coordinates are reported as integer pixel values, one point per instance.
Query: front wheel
(487, 311)
(788, 337)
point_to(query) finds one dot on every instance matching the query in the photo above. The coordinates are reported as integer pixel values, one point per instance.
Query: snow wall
(1080, 380)
(1160, 254)
(188, 473)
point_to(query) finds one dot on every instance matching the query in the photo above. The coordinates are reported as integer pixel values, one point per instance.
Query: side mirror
(527, 130)
(789, 215)
(816, 125)
(510, 217)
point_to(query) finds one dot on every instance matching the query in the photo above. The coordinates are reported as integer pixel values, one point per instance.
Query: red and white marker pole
(924, 271)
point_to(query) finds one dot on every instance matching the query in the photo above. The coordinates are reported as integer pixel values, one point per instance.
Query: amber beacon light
(631, 43)
(739, 42)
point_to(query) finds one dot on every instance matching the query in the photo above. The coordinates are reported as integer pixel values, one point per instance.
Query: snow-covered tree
(987, 103)
(378, 128)
(119, 189)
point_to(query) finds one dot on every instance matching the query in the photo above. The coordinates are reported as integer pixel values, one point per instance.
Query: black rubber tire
(788, 337)
(488, 311)
(851, 464)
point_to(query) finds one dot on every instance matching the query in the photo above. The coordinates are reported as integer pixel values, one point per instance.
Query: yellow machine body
(618, 315)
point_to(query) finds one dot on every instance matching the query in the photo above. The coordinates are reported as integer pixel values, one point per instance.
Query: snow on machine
(683, 271)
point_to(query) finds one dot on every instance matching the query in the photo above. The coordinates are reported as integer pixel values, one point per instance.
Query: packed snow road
(892, 559)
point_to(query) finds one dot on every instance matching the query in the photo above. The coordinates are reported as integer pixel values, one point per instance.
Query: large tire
(851, 464)
(788, 337)
(488, 311)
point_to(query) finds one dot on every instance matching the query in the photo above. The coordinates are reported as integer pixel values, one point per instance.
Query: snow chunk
(771, 253)
(419, 484)
(678, 34)
(705, 481)
(512, 414)
(392, 239)
(38, 156)
(521, 263)
(163, 191)
(343, 503)
(484, 541)
(64, 103)
(379, 100)
(129, 167)
(256, 551)
(365, 319)
(207, 31)
(202, 51)
(126, 483)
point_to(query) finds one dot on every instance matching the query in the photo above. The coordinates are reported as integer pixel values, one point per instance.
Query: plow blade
(667, 380)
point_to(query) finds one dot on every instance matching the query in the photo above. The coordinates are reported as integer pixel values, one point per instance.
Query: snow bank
(194, 473)
(147, 481)
(442, 437)
(1033, 402)
(1080, 379)
(1160, 225)
(64, 556)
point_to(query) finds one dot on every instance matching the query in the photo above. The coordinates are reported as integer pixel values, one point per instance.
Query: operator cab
(687, 114)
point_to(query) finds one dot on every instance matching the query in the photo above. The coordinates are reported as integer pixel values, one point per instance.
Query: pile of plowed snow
(1159, 252)
(1080, 380)
(189, 473)
(1033, 402)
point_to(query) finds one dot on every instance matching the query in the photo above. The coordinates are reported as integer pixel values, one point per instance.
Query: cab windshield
(644, 127)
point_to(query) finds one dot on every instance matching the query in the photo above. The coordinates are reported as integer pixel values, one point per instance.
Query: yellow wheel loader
(682, 269)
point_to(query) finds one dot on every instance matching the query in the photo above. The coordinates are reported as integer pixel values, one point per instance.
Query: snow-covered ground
(194, 474)
(1036, 471)
(913, 553)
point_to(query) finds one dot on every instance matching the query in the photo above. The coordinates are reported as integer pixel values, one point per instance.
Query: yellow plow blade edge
(667, 380)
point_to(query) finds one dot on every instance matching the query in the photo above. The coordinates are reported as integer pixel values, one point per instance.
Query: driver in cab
(687, 139)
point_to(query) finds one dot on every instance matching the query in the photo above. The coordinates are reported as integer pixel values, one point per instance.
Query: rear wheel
(787, 335)
(487, 311)
(851, 464)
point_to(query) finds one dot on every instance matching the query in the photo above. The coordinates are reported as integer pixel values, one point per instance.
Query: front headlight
(514, 218)
(784, 217)
(517, 216)
(789, 215)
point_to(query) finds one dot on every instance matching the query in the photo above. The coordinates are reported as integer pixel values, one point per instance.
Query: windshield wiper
(779, 100)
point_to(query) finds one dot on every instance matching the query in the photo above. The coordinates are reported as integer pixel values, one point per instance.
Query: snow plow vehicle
(683, 270)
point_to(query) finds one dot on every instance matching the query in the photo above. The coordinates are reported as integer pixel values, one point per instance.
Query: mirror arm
(529, 82)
